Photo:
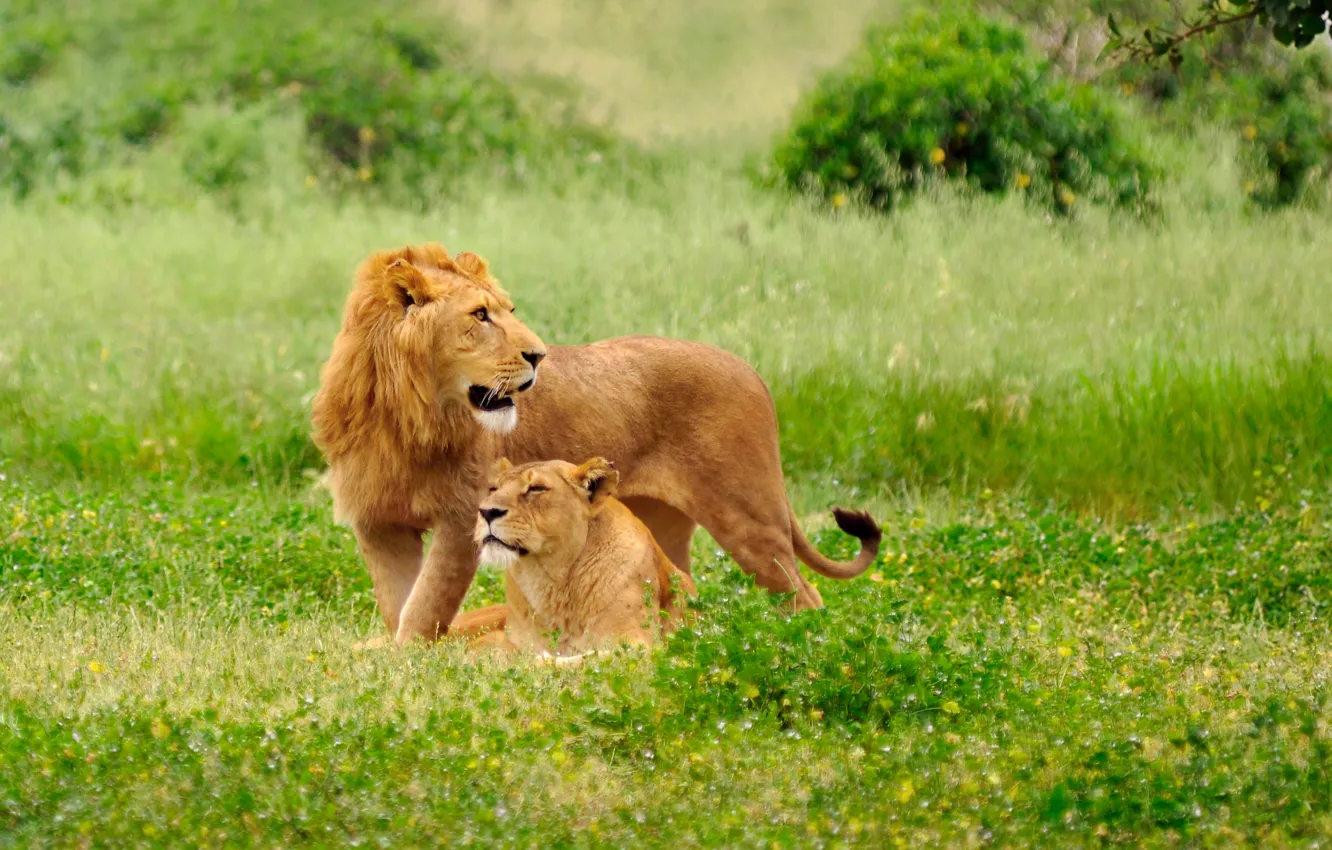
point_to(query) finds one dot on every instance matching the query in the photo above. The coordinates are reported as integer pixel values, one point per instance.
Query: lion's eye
(535, 488)
(481, 315)
(492, 489)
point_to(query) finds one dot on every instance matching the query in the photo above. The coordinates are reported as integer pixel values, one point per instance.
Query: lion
(582, 573)
(432, 378)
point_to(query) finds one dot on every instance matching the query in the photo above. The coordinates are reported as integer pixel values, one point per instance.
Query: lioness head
(541, 509)
(426, 333)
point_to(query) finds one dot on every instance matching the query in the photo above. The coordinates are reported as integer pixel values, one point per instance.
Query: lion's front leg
(439, 590)
(393, 555)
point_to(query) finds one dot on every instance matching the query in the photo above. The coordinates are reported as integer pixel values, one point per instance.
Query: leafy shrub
(65, 144)
(18, 160)
(963, 98)
(143, 119)
(23, 59)
(389, 97)
(383, 117)
(1277, 99)
(1286, 117)
(223, 152)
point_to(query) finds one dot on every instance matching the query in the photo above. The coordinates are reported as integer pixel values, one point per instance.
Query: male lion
(425, 388)
(582, 572)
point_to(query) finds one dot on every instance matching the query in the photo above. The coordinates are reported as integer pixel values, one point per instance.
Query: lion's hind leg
(479, 623)
(671, 528)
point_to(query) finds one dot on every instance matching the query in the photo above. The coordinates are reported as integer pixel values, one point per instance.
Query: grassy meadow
(1101, 448)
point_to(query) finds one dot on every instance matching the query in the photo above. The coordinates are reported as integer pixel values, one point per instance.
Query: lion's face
(451, 317)
(541, 509)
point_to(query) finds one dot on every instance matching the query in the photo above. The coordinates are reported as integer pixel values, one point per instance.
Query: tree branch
(1203, 29)
(1157, 43)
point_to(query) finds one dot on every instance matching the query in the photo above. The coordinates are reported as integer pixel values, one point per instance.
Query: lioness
(581, 571)
(431, 379)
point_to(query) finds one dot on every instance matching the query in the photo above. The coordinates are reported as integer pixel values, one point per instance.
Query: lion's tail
(472, 624)
(859, 525)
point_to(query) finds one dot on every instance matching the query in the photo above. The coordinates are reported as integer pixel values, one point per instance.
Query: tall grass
(964, 344)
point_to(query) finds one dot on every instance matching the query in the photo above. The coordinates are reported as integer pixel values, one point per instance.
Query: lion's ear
(430, 253)
(407, 284)
(598, 478)
(500, 467)
(472, 264)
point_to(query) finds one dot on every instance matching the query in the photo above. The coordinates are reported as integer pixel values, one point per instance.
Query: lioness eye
(536, 488)
(481, 315)
(492, 489)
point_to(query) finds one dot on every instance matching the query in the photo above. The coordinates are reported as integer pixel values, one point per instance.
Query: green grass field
(1101, 449)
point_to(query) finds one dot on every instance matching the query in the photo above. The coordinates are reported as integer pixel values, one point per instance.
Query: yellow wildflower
(937, 156)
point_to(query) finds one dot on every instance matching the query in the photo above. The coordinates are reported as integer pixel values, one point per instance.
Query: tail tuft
(855, 523)
(860, 525)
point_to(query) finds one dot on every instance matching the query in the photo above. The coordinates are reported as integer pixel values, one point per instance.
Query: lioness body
(691, 429)
(581, 571)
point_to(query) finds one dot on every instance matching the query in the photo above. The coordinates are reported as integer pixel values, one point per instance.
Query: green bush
(1278, 100)
(222, 151)
(21, 60)
(390, 97)
(1286, 118)
(963, 98)
(18, 160)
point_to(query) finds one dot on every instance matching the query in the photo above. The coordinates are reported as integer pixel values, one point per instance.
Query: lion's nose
(492, 514)
(534, 357)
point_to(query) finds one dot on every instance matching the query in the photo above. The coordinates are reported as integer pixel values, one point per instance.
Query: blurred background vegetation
(401, 96)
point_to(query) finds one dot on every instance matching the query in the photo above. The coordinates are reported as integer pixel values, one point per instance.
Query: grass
(1149, 363)
(1101, 449)
(1008, 674)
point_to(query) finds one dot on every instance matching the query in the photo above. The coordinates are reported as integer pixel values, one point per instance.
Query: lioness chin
(432, 378)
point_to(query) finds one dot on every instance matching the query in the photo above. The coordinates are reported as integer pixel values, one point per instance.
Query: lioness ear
(407, 284)
(599, 478)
